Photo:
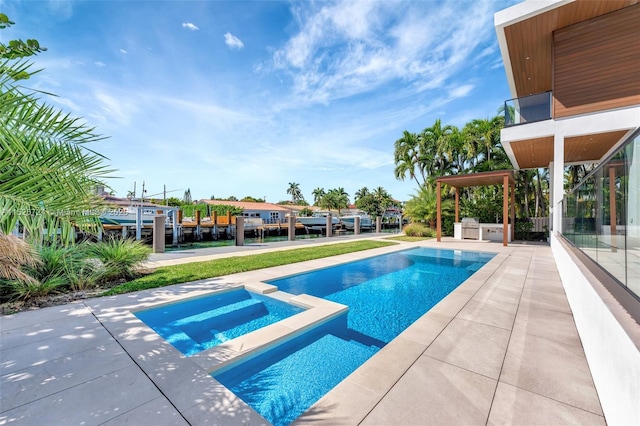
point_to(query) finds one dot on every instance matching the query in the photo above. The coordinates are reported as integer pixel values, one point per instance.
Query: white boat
(349, 222)
(127, 216)
(318, 221)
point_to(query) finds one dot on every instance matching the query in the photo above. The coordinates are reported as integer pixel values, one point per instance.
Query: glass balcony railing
(527, 109)
(601, 215)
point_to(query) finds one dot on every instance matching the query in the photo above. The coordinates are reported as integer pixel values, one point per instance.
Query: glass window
(602, 215)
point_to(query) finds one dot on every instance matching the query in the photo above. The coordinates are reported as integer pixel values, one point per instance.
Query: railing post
(292, 228)
(239, 230)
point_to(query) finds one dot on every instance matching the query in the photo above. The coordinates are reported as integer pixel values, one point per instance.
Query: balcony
(527, 109)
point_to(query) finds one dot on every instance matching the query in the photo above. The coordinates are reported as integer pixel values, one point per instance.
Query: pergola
(498, 177)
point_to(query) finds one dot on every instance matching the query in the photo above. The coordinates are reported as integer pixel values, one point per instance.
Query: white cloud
(123, 51)
(118, 110)
(353, 47)
(190, 26)
(61, 9)
(99, 64)
(233, 41)
(461, 91)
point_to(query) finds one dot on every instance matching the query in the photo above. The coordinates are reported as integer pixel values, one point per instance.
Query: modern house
(573, 69)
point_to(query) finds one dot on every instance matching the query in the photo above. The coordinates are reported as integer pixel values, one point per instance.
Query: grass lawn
(409, 239)
(176, 274)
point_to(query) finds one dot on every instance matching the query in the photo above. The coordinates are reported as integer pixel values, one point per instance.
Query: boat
(318, 221)
(126, 216)
(349, 222)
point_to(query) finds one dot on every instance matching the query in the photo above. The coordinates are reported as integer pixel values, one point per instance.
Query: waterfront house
(269, 213)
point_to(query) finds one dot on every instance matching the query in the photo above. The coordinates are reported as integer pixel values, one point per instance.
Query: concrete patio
(501, 349)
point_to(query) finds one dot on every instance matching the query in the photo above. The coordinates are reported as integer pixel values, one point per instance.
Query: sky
(244, 97)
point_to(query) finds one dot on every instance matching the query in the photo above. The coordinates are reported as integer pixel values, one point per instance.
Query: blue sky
(242, 97)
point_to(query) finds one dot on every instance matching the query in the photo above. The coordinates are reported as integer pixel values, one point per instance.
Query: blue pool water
(195, 325)
(385, 295)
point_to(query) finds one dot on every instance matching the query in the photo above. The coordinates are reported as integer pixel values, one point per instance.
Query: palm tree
(435, 140)
(47, 176)
(407, 156)
(342, 198)
(486, 132)
(294, 191)
(423, 206)
(361, 193)
(318, 193)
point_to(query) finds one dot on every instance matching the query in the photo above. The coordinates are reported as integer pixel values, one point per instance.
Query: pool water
(385, 295)
(202, 323)
(272, 384)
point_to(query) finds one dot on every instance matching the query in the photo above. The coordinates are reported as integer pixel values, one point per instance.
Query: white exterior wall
(613, 357)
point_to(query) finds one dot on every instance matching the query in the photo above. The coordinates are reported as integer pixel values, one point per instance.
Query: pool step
(200, 327)
(169, 313)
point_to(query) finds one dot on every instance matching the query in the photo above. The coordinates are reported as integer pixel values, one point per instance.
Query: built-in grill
(470, 228)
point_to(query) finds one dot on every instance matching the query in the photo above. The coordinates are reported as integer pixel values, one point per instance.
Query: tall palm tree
(294, 191)
(434, 143)
(486, 132)
(318, 193)
(406, 157)
(343, 198)
(47, 174)
(361, 193)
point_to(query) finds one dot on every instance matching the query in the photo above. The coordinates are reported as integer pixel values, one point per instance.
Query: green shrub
(120, 257)
(57, 264)
(24, 290)
(84, 274)
(418, 230)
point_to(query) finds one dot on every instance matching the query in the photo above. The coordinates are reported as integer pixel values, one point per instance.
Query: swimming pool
(197, 324)
(385, 295)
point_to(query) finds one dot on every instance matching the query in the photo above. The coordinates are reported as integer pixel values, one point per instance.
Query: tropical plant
(422, 207)
(47, 175)
(418, 230)
(306, 212)
(407, 158)
(434, 142)
(486, 132)
(360, 193)
(374, 203)
(318, 193)
(14, 255)
(24, 290)
(295, 192)
(337, 199)
(120, 257)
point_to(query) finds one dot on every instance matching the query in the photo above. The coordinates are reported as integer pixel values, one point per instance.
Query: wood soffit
(538, 153)
(530, 41)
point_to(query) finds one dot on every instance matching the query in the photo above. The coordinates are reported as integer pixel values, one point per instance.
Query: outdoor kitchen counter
(487, 231)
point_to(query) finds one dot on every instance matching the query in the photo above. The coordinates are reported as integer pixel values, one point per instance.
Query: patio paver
(486, 353)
